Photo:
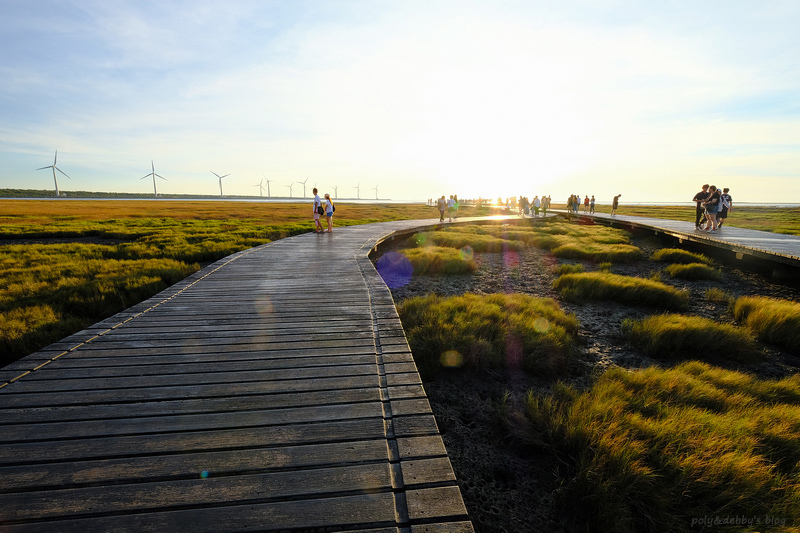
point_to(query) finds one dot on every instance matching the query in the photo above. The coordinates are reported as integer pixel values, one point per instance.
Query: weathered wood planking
(274, 390)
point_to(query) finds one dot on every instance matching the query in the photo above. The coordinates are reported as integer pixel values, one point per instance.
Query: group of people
(532, 207)
(574, 203)
(712, 208)
(447, 204)
(320, 210)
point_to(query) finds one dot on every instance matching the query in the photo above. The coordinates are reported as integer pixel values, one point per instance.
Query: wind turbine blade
(61, 171)
(55, 158)
(162, 177)
(225, 176)
(145, 177)
(49, 166)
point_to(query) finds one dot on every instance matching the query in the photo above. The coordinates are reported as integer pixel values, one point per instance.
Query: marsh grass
(488, 331)
(772, 320)
(690, 337)
(440, 260)
(567, 268)
(68, 264)
(717, 295)
(564, 240)
(623, 289)
(650, 450)
(693, 271)
(676, 255)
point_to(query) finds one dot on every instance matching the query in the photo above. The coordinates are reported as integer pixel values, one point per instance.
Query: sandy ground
(507, 486)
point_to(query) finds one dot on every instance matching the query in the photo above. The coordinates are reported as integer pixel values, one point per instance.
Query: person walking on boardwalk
(536, 205)
(591, 206)
(451, 207)
(615, 204)
(700, 212)
(329, 209)
(712, 205)
(726, 204)
(318, 210)
(586, 204)
(442, 205)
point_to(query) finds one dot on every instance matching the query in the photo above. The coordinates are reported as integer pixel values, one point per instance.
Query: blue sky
(416, 98)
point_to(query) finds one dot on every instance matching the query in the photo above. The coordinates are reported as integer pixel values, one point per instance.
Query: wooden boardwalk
(740, 244)
(272, 391)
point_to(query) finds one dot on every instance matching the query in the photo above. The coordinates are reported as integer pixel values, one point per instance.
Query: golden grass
(772, 320)
(676, 255)
(654, 449)
(690, 337)
(490, 331)
(623, 289)
(440, 260)
(693, 271)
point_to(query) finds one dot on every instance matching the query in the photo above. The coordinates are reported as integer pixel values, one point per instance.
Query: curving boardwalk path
(272, 391)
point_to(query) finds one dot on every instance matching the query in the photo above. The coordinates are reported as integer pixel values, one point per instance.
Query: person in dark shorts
(615, 204)
(700, 212)
(726, 203)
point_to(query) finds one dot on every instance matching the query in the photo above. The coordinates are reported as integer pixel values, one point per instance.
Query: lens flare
(395, 269)
(541, 325)
(511, 259)
(204, 474)
(466, 253)
(451, 359)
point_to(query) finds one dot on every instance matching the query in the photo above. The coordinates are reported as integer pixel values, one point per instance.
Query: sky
(404, 99)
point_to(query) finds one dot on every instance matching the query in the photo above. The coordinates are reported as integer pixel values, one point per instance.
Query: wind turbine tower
(260, 186)
(358, 191)
(376, 191)
(265, 178)
(220, 181)
(54, 167)
(304, 186)
(290, 189)
(153, 173)
(336, 191)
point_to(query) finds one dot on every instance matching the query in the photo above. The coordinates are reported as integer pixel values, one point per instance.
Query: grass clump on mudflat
(693, 271)
(772, 320)
(655, 449)
(440, 260)
(676, 255)
(488, 331)
(623, 289)
(568, 241)
(717, 295)
(689, 337)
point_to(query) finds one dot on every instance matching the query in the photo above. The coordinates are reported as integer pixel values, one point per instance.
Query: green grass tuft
(690, 337)
(655, 449)
(676, 255)
(623, 289)
(440, 260)
(693, 271)
(774, 321)
(717, 295)
(567, 268)
(488, 331)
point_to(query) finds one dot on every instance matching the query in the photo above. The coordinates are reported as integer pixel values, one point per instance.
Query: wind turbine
(376, 191)
(265, 178)
(290, 189)
(304, 186)
(358, 191)
(260, 186)
(336, 191)
(54, 167)
(153, 173)
(220, 181)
